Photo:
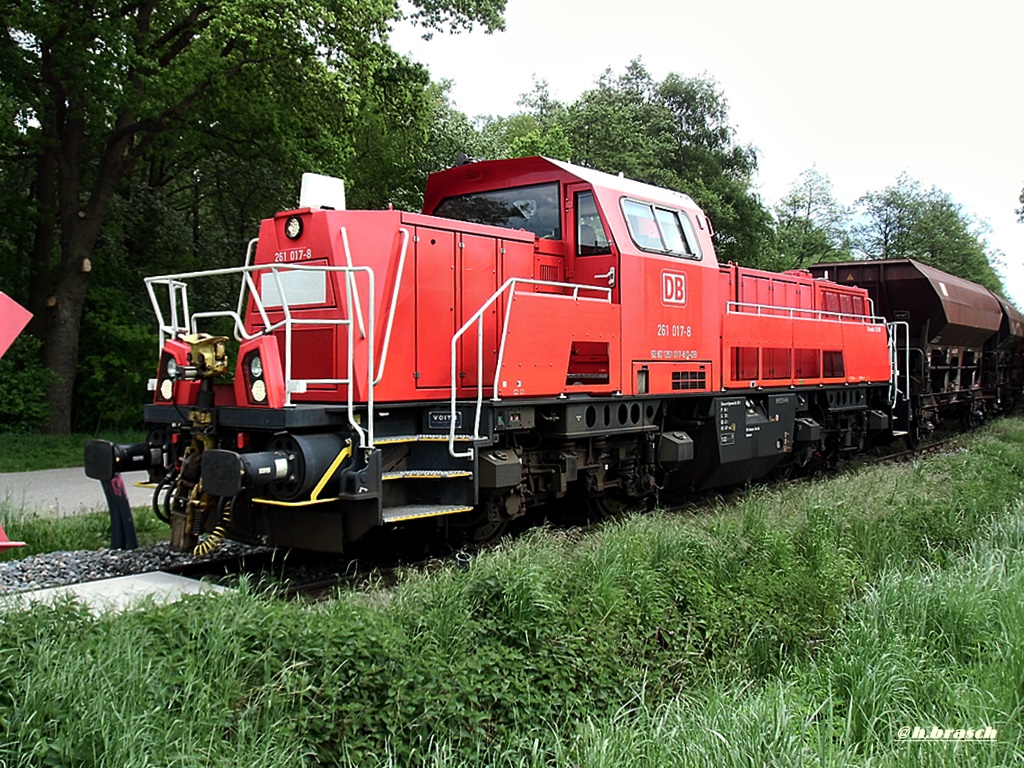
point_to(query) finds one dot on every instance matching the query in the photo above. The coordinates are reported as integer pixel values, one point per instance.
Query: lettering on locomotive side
(674, 354)
(673, 288)
(667, 329)
(443, 420)
(294, 254)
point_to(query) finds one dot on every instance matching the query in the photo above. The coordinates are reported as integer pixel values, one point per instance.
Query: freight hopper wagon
(961, 344)
(540, 330)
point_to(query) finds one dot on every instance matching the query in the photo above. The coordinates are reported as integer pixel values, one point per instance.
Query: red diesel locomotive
(540, 329)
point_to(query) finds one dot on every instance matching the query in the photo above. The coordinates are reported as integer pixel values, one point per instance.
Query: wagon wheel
(479, 528)
(607, 505)
(969, 418)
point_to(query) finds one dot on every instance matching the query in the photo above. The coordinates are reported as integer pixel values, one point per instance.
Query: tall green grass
(923, 647)
(802, 625)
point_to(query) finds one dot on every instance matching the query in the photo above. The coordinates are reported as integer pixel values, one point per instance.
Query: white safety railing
(796, 313)
(477, 319)
(899, 360)
(182, 322)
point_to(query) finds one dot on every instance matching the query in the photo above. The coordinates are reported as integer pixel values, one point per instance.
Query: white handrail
(188, 323)
(509, 285)
(250, 250)
(895, 349)
(348, 261)
(394, 305)
(772, 310)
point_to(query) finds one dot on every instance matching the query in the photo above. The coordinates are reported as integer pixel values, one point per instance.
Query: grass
(924, 647)
(91, 530)
(802, 625)
(31, 452)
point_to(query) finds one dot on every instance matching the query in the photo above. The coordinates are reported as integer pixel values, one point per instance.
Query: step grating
(416, 511)
(435, 438)
(426, 474)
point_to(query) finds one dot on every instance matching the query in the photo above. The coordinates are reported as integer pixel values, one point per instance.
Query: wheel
(971, 418)
(608, 505)
(477, 529)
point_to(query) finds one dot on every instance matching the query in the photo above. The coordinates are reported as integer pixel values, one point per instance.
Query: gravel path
(57, 569)
(62, 492)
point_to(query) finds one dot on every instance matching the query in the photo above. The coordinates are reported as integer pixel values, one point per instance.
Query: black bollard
(122, 525)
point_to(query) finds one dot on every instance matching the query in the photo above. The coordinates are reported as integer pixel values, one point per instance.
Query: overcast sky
(860, 91)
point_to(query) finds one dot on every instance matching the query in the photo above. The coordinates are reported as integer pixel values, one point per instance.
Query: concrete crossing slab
(117, 594)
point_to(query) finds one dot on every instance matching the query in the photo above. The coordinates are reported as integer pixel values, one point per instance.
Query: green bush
(23, 385)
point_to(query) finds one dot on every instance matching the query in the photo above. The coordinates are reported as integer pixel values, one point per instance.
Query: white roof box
(322, 192)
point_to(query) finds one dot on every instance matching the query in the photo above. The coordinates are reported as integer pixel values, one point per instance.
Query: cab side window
(662, 230)
(591, 238)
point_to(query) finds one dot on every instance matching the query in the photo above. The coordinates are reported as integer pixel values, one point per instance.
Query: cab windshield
(534, 208)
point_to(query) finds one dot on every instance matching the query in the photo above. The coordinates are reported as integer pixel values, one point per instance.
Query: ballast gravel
(57, 569)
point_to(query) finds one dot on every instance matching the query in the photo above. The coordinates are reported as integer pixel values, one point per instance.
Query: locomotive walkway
(63, 492)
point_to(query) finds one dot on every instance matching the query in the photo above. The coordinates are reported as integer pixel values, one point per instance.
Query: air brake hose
(164, 513)
(214, 541)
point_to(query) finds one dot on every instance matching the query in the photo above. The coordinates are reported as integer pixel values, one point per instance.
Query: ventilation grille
(689, 380)
(549, 273)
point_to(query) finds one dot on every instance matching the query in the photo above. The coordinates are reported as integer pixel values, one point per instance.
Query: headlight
(166, 389)
(256, 367)
(293, 227)
(172, 368)
(259, 391)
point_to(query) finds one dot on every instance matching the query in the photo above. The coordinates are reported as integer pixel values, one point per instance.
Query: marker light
(259, 391)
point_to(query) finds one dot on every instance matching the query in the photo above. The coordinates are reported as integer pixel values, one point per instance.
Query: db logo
(673, 287)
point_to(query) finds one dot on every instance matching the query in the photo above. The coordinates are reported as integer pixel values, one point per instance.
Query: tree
(906, 221)
(675, 134)
(811, 225)
(537, 130)
(95, 88)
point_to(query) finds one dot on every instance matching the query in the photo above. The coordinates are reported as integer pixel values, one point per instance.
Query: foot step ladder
(421, 479)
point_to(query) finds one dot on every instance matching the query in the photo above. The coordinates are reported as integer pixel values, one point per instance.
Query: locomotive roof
(627, 186)
(486, 175)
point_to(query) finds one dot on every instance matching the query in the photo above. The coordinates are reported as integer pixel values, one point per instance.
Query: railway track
(293, 574)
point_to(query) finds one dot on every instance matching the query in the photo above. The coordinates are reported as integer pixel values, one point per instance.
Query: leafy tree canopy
(674, 133)
(94, 93)
(906, 221)
(811, 225)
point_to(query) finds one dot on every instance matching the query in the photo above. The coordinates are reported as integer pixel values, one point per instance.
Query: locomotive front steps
(421, 479)
(421, 438)
(429, 474)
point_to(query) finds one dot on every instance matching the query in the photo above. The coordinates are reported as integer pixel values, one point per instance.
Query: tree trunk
(80, 227)
(42, 243)
(64, 323)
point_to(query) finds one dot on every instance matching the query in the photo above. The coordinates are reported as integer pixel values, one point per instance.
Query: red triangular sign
(6, 543)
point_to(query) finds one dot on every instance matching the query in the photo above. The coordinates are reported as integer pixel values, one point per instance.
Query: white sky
(860, 91)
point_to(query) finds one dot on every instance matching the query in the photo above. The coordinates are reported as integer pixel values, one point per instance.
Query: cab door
(595, 259)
